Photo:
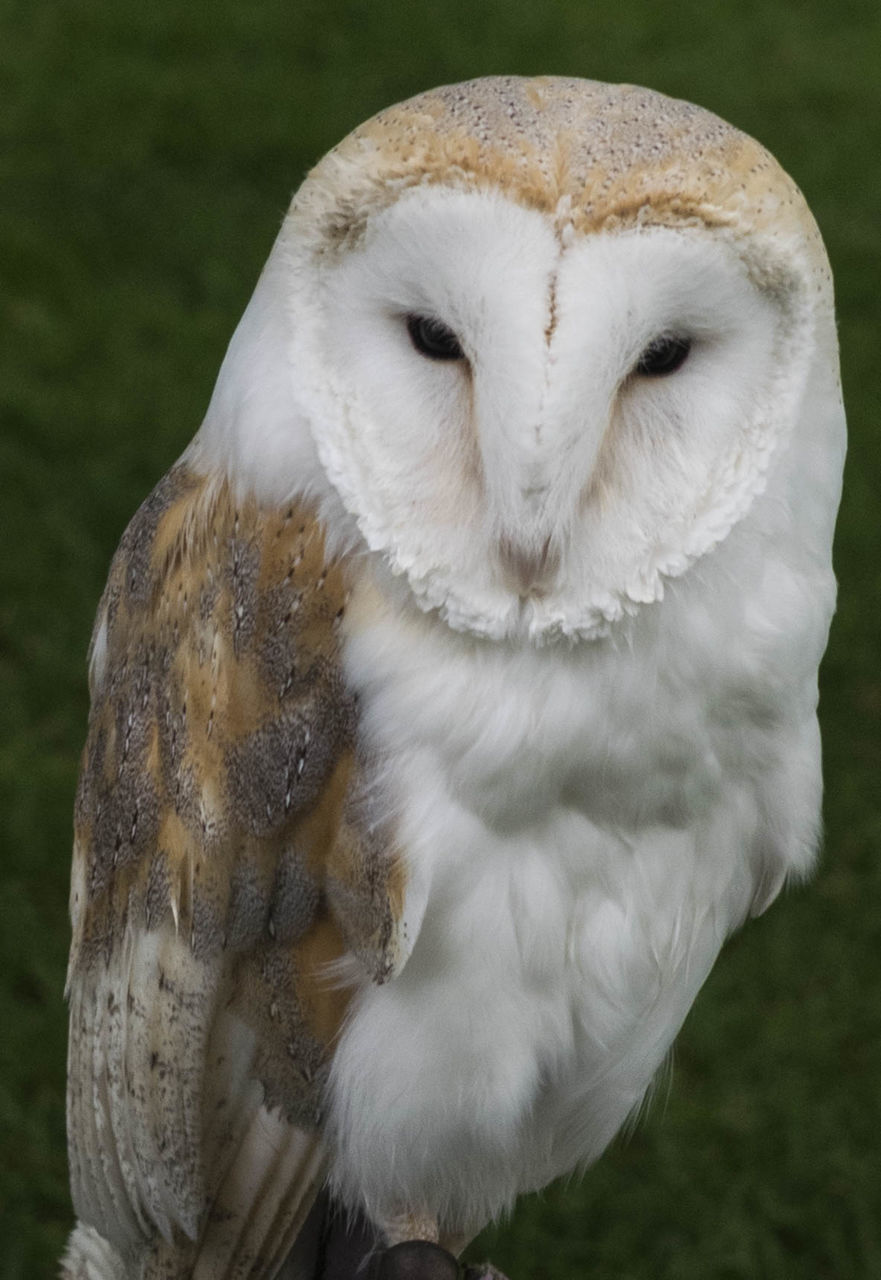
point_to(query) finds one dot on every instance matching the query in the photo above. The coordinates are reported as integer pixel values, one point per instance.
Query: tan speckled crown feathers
(596, 155)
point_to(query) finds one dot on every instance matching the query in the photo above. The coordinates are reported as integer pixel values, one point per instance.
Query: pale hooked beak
(528, 571)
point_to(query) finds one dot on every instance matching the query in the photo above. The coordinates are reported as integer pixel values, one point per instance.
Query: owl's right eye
(433, 339)
(663, 356)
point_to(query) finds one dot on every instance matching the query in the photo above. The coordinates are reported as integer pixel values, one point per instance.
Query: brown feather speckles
(219, 780)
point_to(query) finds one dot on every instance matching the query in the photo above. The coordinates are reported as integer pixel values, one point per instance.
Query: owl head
(538, 346)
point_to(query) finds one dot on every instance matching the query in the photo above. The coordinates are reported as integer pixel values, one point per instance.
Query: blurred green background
(148, 153)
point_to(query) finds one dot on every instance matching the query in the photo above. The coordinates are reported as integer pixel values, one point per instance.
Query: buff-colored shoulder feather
(223, 870)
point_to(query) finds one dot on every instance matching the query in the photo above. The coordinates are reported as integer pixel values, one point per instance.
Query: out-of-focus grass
(147, 154)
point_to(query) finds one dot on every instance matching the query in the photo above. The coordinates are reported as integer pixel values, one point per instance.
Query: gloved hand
(421, 1260)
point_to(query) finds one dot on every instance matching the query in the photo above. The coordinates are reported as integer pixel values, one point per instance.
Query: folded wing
(225, 866)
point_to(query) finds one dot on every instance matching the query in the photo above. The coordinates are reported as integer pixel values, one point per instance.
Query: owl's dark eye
(432, 338)
(662, 356)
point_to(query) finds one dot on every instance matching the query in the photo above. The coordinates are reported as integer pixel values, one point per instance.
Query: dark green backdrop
(147, 153)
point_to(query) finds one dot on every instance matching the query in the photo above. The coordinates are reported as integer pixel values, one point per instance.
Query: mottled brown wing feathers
(221, 872)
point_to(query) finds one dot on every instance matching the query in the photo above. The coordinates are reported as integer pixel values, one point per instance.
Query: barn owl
(454, 695)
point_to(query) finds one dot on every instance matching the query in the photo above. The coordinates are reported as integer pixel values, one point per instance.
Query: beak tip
(527, 569)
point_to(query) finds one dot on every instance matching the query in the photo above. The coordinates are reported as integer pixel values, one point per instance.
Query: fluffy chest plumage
(575, 855)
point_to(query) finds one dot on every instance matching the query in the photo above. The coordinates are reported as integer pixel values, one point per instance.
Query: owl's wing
(224, 859)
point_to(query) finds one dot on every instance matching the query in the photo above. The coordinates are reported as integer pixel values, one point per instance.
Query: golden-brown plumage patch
(219, 805)
(219, 772)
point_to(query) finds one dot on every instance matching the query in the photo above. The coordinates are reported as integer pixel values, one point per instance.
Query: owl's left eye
(664, 355)
(432, 338)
